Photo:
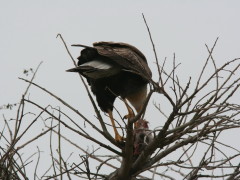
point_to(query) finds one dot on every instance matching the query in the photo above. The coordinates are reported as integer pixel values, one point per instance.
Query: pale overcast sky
(28, 31)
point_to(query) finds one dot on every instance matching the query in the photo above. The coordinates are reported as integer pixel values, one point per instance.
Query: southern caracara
(112, 70)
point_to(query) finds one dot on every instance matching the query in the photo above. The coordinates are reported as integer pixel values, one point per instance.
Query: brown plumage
(112, 70)
(142, 137)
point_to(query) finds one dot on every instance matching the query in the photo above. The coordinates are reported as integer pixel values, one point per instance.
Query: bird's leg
(117, 136)
(130, 112)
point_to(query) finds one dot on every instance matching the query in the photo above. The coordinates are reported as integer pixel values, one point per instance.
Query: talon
(128, 116)
(130, 111)
(119, 138)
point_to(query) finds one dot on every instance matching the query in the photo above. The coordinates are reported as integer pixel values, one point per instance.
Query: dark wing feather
(127, 56)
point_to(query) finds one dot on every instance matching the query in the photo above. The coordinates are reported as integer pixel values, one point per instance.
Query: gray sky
(28, 31)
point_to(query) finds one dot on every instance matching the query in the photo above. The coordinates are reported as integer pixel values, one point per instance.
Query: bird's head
(141, 124)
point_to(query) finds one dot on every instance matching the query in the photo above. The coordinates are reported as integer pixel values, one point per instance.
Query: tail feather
(96, 69)
(73, 70)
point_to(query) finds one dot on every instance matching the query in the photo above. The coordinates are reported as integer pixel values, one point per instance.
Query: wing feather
(127, 56)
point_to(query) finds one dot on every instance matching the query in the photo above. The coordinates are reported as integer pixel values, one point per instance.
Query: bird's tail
(76, 69)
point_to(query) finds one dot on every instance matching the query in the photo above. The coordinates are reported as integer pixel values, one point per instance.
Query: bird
(115, 69)
(142, 137)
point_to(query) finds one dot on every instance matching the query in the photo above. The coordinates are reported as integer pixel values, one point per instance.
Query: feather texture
(96, 69)
(112, 70)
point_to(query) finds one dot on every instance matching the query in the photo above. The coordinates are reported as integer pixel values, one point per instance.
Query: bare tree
(187, 146)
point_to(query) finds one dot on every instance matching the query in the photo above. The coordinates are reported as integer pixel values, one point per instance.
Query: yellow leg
(130, 112)
(117, 136)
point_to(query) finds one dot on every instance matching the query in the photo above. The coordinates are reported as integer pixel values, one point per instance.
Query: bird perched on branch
(112, 70)
(142, 137)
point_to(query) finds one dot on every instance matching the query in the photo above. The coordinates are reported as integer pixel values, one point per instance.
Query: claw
(128, 116)
(130, 111)
(119, 138)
